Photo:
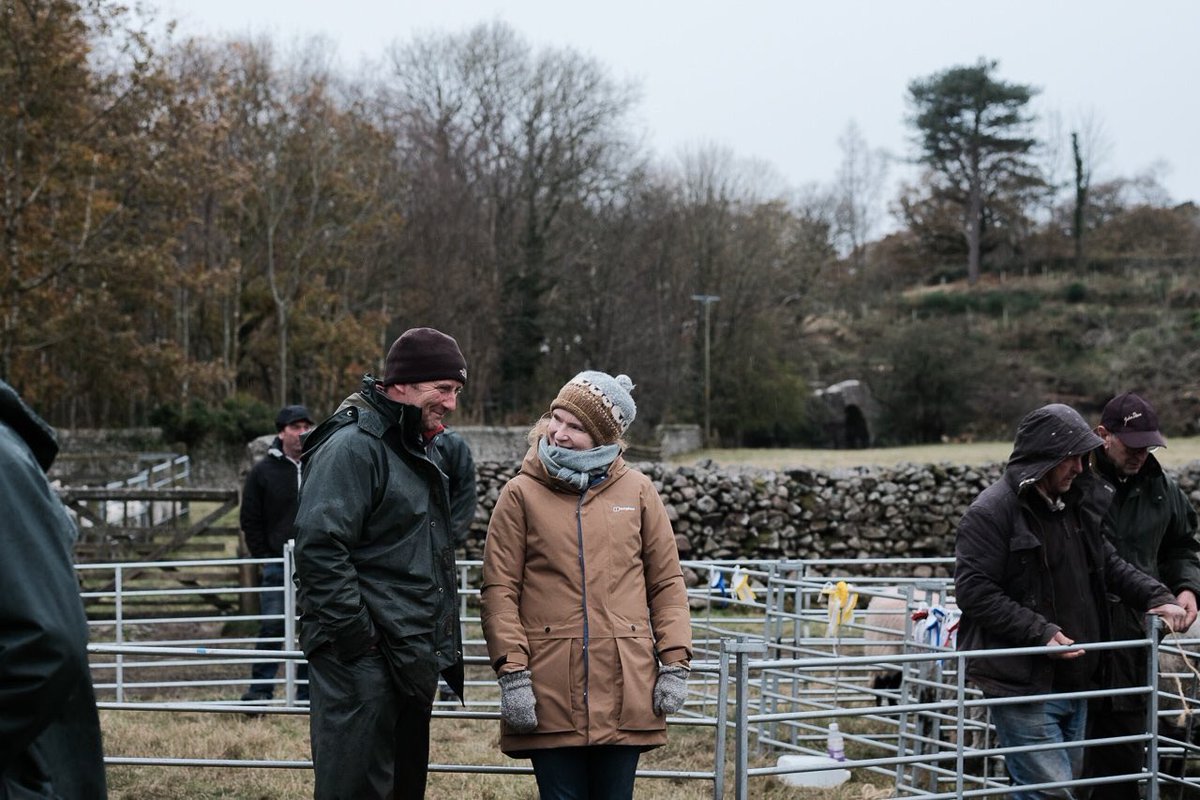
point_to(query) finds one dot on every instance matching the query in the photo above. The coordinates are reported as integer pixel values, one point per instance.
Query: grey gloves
(518, 706)
(517, 703)
(670, 690)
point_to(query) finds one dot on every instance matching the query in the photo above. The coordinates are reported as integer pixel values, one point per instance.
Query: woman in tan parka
(584, 607)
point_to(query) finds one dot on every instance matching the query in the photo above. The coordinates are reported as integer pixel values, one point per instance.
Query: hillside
(959, 362)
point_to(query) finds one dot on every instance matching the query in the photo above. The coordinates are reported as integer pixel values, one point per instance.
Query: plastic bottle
(836, 746)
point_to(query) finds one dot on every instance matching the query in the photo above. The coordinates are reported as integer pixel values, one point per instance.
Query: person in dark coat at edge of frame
(387, 496)
(1152, 525)
(1033, 568)
(267, 515)
(584, 606)
(49, 727)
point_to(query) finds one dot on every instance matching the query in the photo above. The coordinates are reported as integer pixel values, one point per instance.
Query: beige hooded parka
(585, 591)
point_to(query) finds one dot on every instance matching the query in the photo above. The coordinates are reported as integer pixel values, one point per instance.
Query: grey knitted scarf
(577, 467)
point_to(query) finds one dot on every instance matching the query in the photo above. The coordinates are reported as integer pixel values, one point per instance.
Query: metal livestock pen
(774, 666)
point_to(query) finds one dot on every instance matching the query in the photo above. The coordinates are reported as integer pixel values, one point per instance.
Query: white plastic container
(820, 771)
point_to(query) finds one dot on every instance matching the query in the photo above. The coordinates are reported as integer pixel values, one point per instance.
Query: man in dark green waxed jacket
(1152, 524)
(376, 530)
(49, 728)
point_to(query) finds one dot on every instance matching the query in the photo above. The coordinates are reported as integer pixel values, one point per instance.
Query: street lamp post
(707, 300)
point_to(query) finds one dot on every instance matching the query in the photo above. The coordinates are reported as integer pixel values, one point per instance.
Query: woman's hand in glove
(517, 704)
(670, 690)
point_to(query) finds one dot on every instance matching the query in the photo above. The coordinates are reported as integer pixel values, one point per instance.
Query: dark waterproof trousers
(1101, 761)
(369, 723)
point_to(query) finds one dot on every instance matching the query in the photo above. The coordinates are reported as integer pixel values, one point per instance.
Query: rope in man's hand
(1185, 709)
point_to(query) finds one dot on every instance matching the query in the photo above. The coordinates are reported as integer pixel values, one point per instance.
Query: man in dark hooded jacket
(1033, 568)
(388, 491)
(49, 728)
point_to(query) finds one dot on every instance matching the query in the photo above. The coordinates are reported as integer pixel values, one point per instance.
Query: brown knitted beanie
(602, 403)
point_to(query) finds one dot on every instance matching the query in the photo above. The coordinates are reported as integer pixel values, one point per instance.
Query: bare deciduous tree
(859, 189)
(506, 140)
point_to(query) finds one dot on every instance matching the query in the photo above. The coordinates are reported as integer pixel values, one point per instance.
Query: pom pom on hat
(603, 404)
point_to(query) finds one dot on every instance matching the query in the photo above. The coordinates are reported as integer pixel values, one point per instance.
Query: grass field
(1179, 451)
(213, 736)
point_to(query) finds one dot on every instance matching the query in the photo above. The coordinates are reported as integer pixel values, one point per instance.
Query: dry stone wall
(906, 511)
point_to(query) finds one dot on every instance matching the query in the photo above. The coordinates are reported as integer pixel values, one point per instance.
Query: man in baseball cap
(1133, 421)
(1153, 526)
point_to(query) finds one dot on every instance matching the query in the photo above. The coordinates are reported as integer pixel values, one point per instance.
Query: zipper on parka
(583, 587)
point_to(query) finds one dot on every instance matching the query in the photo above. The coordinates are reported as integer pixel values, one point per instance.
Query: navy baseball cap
(1133, 421)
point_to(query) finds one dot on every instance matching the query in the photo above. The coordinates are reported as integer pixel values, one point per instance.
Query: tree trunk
(974, 221)
(1080, 203)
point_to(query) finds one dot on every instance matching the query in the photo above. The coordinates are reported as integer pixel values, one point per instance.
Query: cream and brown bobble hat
(602, 403)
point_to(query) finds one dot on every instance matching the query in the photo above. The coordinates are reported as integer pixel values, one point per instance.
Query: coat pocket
(638, 670)
(553, 665)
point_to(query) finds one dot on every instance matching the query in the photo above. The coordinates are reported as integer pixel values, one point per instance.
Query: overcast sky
(779, 81)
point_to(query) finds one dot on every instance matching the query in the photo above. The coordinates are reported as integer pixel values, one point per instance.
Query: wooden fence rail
(122, 525)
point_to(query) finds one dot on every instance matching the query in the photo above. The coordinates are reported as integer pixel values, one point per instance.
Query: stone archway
(851, 414)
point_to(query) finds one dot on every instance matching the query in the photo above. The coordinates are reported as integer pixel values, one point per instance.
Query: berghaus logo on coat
(618, 509)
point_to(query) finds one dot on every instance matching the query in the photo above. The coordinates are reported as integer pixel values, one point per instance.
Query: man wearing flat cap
(1032, 568)
(388, 494)
(1152, 525)
(268, 512)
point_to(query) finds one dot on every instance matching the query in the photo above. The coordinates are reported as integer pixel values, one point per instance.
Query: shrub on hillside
(936, 379)
(994, 303)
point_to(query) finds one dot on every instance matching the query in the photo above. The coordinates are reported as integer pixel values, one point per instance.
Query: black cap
(1132, 420)
(289, 414)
